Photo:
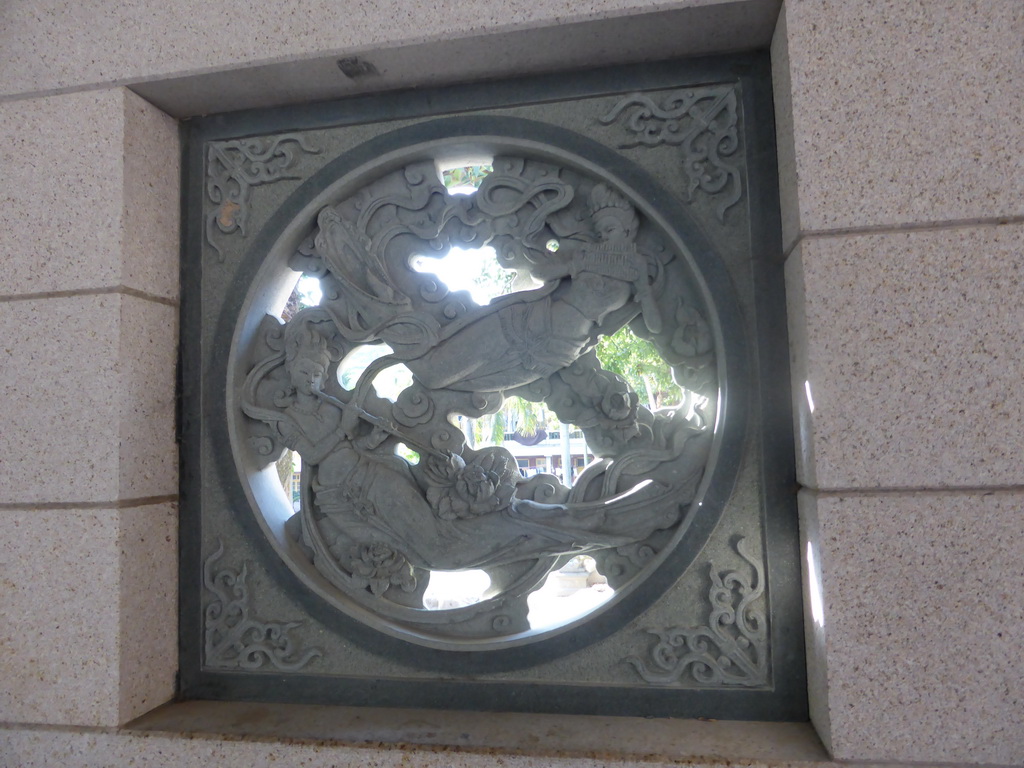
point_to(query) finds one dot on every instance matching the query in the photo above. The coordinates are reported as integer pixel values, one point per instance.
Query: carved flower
(458, 490)
(619, 402)
(379, 567)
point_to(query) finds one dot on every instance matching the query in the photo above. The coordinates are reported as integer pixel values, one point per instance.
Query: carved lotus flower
(458, 490)
(619, 402)
(599, 398)
(379, 567)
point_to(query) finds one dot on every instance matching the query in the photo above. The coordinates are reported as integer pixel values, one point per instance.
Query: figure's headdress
(301, 339)
(605, 201)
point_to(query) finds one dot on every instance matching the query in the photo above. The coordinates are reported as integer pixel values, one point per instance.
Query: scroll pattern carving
(235, 167)
(702, 122)
(234, 639)
(732, 649)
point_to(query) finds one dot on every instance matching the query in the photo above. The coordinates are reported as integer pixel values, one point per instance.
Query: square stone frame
(787, 699)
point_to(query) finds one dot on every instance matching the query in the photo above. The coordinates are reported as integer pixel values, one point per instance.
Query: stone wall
(901, 155)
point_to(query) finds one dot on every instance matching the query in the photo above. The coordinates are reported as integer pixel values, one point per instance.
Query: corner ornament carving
(703, 123)
(732, 649)
(234, 639)
(234, 167)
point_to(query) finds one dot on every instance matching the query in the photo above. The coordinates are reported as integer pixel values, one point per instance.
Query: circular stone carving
(595, 255)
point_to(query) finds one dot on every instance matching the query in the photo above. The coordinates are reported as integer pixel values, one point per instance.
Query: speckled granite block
(923, 609)
(34, 749)
(87, 614)
(59, 388)
(148, 354)
(59, 616)
(88, 391)
(151, 199)
(785, 148)
(908, 344)
(61, 191)
(91, 194)
(618, 738)
(565, 43)
(814, 618)
(901, 112)
(49, 44)
(148, 608)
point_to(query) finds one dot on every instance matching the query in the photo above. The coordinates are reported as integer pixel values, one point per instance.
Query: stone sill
(608, 739)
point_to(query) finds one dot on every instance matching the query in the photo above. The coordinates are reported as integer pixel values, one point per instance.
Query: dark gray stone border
(787, 700)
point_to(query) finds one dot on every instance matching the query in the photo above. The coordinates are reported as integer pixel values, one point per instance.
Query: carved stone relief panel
(345, 370)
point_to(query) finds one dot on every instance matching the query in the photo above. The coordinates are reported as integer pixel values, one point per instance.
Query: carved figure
(375, 524)
(312, 424)
(546, 333)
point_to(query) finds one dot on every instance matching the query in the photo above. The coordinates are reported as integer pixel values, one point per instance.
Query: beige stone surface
(88, 389)
(36, 748)
(903, 112)
(87, 615)
(147, 355)
(909, 344)
(785, 148)
(51, 44)
(148, 608)
(60, 192)
(150, 199)
(654, 33)
(815, 645)
(923, 609)
(58, 616)
(623, 737)
(58, 381)
(90, 193)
